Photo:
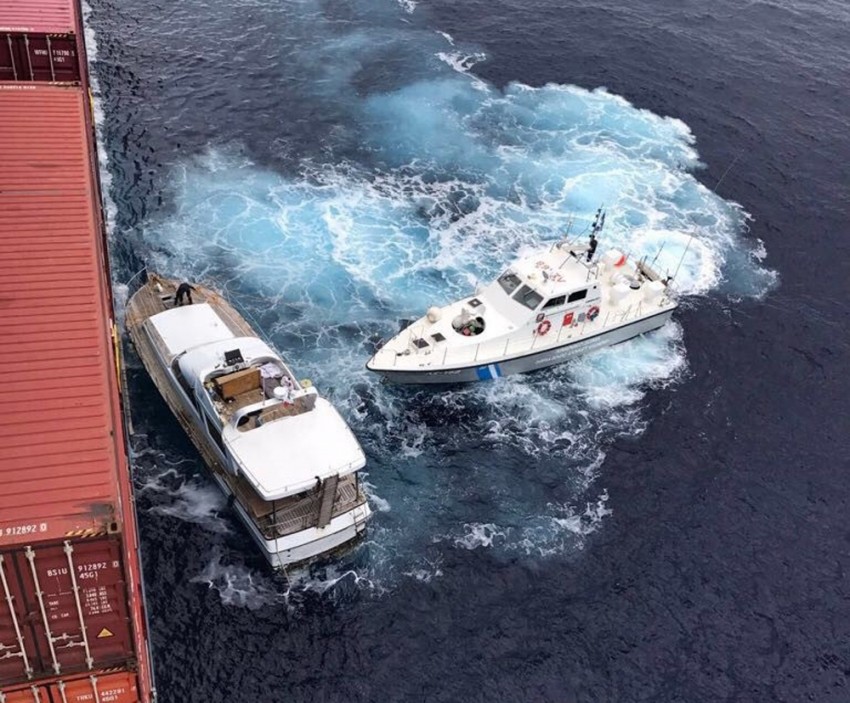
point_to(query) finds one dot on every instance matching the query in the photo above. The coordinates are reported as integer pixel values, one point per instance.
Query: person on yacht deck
(183, 290)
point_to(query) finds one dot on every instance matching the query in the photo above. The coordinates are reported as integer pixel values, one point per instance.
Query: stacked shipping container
(72, 624)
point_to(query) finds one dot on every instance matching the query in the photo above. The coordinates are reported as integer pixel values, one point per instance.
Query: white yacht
(282, 451)
(545, 309)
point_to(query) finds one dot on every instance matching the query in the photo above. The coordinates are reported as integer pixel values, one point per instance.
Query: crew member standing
(184, 290)
(593, 244)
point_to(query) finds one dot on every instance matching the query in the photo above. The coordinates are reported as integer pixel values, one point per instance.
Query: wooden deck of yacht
(157, 296)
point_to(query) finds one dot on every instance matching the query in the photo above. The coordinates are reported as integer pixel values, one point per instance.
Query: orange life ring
(544, 327)
(593, 313)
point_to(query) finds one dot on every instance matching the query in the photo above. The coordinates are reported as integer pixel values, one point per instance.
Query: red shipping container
(39, 57)
(33, 694)
(118, 687)
(45, 16)
(72, 625)
(64, 467)
(70, 593)
(64, 609)
(113, 688)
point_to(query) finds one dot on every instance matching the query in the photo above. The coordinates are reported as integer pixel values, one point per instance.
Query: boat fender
(544, 327)
(593, 313)
(433, 314)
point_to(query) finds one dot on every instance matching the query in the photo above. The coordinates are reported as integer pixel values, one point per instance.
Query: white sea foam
(239, 586)
(105, 174)
(586, 522)
(426, 572)
(375, 500)
(194, 502)
(464, 63)
(477, 535)
(468, 176)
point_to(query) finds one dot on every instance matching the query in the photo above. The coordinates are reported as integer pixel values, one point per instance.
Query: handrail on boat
(244, 312)
(133, 285)
(529, 343)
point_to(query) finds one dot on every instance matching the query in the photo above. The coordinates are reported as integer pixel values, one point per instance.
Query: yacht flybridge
(545, 309)
(282, 451)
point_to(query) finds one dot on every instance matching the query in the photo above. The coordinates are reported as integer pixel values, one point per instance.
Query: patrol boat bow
(283, 452)
(545, 309)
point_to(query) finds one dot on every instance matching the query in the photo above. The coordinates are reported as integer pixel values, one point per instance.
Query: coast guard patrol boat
(283, 453)
(545, 309)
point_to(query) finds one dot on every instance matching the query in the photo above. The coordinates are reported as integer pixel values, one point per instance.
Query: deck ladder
(328, 498)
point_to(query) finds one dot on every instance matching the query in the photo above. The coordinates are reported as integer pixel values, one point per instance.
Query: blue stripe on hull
(489, 372)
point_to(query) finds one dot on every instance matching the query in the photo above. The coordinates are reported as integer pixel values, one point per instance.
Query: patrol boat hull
(531, 361)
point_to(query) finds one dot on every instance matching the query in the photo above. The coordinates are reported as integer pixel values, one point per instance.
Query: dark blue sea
(666, 520)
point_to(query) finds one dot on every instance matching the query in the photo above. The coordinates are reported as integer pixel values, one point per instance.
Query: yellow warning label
(105, 632)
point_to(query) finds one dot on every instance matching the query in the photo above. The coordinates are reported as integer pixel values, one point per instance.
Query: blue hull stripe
(489, 372)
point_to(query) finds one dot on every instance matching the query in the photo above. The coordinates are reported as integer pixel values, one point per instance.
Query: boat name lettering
(18, 530)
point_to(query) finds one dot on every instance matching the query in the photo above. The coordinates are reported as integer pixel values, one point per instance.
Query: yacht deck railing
(290, 515)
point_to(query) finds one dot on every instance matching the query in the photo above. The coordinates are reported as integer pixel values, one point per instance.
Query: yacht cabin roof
(188, 326)
(288, 456)
(280, 458)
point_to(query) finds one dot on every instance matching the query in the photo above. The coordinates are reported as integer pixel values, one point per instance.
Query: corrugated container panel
(48, 16)
(59, 425)
(64, 609)
(31, 694)
(113, 687)
(64, 481)
(39, 57)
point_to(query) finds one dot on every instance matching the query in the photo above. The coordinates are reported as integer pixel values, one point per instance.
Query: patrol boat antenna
(682, 259)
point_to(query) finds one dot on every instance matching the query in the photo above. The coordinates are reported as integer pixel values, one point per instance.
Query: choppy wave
(455, 178)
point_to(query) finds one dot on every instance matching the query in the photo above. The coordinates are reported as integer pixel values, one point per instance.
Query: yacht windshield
(509, 282)
(528, 297)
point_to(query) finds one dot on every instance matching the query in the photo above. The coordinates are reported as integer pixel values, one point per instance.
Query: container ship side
(72, 613)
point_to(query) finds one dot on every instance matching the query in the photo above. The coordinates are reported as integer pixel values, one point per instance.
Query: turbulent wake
(451, 178)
